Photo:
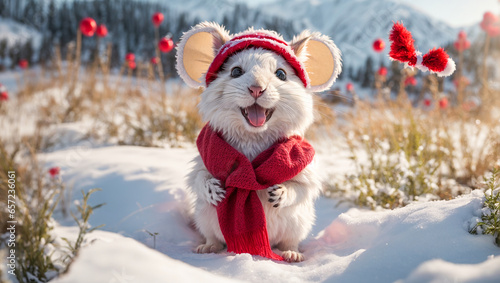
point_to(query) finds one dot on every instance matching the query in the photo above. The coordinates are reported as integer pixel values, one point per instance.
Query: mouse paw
(276, 194)
(292, 256)
(209, 248)
(214, 193)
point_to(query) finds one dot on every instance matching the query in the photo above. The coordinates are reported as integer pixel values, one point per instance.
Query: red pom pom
(443, 103)
(435, 60)
(462, 35)
(411, 81)
(132, 65)
(23, 63)
(349, 87)
(402, 45)
(427, 102)
(166, 44)
(157, 19)
(130, 57)
(378, 45)
(462, 44)
(4, 96)
(88, 26)
(101, 31)
(54, 171)
(382, 71)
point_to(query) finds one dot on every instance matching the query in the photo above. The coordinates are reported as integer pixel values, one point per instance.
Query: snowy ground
(144, 189)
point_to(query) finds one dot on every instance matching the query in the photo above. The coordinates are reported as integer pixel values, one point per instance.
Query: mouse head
(257, 84)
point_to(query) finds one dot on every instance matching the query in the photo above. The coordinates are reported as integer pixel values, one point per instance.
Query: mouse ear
(321, 58)
(196, 51)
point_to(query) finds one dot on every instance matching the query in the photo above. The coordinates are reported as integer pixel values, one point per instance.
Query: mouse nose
(256, 91)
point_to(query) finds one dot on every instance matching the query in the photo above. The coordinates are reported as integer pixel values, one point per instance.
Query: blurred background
(31, 29)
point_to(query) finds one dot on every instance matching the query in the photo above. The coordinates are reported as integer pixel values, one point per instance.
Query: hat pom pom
(439, 62)
(402, 44)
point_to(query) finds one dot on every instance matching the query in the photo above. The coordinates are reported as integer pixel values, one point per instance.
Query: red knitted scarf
(241, 215)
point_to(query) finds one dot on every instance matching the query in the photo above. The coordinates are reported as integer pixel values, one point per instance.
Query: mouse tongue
(256, 115)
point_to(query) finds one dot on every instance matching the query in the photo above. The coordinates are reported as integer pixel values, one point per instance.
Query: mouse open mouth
(256, 115)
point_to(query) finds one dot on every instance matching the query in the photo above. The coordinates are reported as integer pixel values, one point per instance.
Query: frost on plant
(401, 163)
(489, 223)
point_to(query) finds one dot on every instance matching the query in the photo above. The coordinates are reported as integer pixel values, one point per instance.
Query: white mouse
(258, 91)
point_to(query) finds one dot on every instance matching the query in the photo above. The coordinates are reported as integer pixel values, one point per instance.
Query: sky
(456, 13)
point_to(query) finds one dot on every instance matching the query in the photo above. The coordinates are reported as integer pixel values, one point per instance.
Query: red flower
(378, 45)
(155, 60)
(130, 57)
(490, 24)
(443, 103)
(349, 87)
(493, 31)
(427, 102)
(132, 65)
(382, 71)
(462, 35)
(88, 26)
(166, 44)
(462, 43)
(101, 31)
(411, 81)
(489, 19)
(4, 96)
(157, 19)
(54, 171)
(23, 63)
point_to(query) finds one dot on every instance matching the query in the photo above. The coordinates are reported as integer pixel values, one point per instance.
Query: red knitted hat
(255, 40)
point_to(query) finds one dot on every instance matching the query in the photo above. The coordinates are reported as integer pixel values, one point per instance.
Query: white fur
(289, 219)
(304, 56)
(220, 36)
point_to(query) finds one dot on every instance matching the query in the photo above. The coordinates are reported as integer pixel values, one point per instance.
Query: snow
(144, 189)
(15, 32)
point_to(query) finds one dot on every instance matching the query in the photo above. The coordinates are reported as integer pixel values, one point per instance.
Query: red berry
(462, 44)
(382, 71)
(489, 18)
(462, 35)
(23, 63)
(130, 57)
(88, 26)
(157, 19)
(443, 103)
(131, 64)
(378, 45)
(155, 60)
(166, 44)
(427, 102)
(349, 87)
(4, 96)
(493, 31)
(54, 171)
(411, 81)
(101, 31)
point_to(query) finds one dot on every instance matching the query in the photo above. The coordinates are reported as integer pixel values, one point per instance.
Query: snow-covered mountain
(353, 25)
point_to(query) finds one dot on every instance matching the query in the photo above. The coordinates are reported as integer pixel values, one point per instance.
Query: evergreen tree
(368, 75)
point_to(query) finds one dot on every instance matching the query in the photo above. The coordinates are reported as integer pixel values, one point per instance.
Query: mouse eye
(281, 74)
(236, 72)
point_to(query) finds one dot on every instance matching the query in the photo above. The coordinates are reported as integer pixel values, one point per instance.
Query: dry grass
(444, 152)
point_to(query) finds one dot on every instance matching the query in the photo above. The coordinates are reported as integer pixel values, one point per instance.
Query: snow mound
(144, 190)
(114, 258)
